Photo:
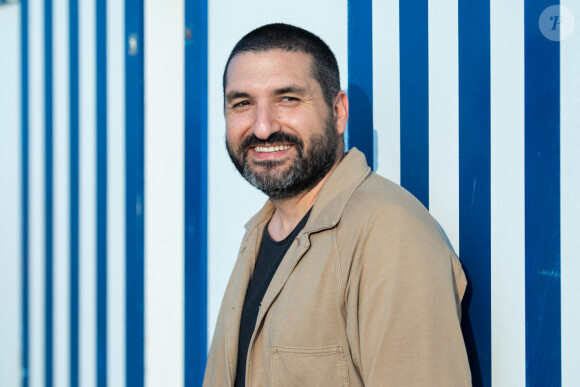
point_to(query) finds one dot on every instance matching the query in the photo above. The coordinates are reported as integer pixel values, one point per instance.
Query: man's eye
(241, 104)
(288, 99)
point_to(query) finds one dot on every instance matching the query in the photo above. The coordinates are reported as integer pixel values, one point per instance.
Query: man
(343, 278)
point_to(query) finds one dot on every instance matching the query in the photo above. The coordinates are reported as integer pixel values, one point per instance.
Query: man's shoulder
(386, 219)
(378, 194)
(380, 206)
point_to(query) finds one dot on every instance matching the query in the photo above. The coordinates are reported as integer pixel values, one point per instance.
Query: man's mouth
(271, 149)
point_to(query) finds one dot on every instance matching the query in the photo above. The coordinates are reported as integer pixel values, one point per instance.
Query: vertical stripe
(116, 194)
(414, 67)
(74, 190)
(507, 193)
(36, 184)
(474, 181)
(10, 195)
(386, 89)
(25, 203)
(542, 156)
(60, 192)
(360, 77)
(443, 110)
(570, 192)
(164, 193)
(101, 127)
(134, 148)
(87, 195)
(48, 195)
(195, 222)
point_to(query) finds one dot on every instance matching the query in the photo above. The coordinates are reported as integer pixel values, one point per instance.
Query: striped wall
(121, 215)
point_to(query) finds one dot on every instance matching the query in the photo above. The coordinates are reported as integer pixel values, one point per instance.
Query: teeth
(270, 149)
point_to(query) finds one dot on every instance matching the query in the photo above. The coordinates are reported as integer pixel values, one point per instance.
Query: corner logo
(556, 23)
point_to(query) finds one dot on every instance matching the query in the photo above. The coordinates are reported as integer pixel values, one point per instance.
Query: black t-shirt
(269, 258)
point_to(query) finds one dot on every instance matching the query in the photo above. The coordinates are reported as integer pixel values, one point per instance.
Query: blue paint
(474, 182)
(550, 273)
(195, 231)
(414, 78)
(48, 199)
(360, 77)
(473, 193)
(74, 191)
(101, 129)
(134, 187)
(25, 193)
(542, 206)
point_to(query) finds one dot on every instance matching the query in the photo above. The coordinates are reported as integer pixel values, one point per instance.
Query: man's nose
(266, 122)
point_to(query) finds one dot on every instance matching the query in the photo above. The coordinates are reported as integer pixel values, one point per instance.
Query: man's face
(280, 133)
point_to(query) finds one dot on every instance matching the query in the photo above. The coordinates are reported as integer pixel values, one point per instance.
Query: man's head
(293, 39)
(282, 133)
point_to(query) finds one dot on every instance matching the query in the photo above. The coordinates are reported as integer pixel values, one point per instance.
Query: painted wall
(10, 193)
(121, 214)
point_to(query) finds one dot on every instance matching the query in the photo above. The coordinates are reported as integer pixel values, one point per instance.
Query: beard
(305, 171)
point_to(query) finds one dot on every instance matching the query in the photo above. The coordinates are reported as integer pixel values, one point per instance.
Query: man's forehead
(254, 62)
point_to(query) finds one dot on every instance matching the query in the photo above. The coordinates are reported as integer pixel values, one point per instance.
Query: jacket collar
(333, 196)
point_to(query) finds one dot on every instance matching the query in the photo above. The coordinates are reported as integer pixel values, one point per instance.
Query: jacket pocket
(316, 367)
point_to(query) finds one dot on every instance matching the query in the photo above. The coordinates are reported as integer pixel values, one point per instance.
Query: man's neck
(289, 212)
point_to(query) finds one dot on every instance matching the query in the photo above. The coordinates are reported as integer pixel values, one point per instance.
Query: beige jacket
(367, 295)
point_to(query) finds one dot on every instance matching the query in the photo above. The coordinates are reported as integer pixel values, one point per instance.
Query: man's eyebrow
(291, 89)
(235, 95)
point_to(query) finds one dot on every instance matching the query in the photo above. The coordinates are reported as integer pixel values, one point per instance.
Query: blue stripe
(360, 77)
(542, 207)
(48, 270)
(74, 191)
(474, 182)
(195, 192)
(134, 186)
(25, 195)
(414, 78)
(101, 128)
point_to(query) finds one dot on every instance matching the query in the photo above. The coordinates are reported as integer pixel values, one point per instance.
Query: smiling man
(343, 278)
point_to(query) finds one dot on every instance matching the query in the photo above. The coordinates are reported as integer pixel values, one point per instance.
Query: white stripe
(164, 193)
(570, 198)
(87, 195)
(444, 117)
(61, 195)
(36, 191)
(115, 194)
(507, 194)
(10, 196)
(386, 89)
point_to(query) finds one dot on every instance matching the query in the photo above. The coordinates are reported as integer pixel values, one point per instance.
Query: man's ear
(340, 112)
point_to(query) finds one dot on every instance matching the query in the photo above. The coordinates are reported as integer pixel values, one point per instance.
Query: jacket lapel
(240, 280)
(297, 250)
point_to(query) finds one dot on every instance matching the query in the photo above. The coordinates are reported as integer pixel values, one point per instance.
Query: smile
(271, 149)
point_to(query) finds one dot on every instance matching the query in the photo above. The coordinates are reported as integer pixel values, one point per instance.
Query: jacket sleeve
(402, 304)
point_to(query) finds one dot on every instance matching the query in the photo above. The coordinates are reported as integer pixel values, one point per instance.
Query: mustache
(278, 137)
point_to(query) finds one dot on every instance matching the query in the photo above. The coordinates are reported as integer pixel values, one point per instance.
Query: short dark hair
(294, 39)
